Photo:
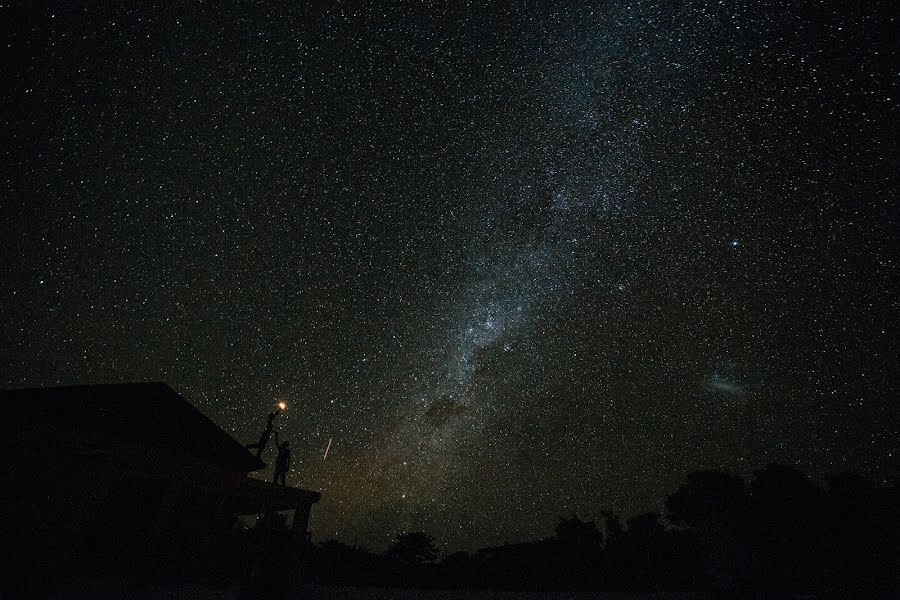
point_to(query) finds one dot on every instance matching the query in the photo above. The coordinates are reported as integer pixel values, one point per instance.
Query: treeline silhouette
(777, 533)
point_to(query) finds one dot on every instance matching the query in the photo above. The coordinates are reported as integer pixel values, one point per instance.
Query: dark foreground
(119, 590)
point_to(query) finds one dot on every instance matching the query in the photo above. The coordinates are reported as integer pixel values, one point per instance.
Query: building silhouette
(131, 479)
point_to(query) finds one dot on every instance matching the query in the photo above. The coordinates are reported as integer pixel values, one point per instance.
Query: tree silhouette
(575, 533)
(784, 525)
(714, 505)
(413, 549)
(612, 526)
(577, 551)
(707, 500)
(779, 533)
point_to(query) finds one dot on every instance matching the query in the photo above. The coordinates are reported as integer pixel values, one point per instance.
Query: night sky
(514, 260)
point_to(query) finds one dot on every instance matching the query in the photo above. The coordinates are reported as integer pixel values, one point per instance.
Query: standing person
(282, 463)
(266, 433)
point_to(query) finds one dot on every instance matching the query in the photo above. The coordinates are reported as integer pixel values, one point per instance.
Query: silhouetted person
(266, 434)
(282, 463)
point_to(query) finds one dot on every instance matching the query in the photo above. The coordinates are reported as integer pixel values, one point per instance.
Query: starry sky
(510, 260)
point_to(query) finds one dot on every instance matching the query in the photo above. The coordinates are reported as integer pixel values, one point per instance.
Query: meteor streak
(327, 448)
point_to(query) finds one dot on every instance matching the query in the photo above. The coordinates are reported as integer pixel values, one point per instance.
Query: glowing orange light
(282, 405)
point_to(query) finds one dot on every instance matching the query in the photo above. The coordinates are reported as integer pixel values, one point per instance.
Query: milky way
(504, 264)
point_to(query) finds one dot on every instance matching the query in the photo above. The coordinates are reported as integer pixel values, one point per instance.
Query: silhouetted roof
(146, 413)
(254, 494)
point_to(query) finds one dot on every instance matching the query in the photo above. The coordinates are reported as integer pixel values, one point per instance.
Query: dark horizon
(128, 486)
(504, 263)
(776, 534)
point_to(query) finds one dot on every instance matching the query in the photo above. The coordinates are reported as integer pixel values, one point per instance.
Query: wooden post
(301, 519)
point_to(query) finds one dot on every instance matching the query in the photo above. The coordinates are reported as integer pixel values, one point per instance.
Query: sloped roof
(145, 413)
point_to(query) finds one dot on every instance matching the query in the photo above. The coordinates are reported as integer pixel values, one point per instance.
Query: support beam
(301, 519)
